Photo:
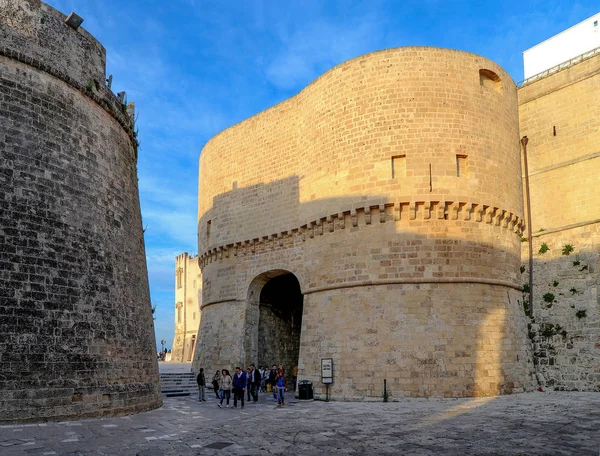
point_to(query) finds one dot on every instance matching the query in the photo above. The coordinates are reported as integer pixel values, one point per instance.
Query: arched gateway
(274, 319)
(391, 189)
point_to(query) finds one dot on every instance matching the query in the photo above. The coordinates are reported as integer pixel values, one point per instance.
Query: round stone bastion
(76, 327)
(373, 223)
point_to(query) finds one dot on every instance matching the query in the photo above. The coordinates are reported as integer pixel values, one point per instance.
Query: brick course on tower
(76, 328)
(389, 190)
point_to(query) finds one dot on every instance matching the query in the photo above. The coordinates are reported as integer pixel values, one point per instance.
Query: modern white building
(575, 41)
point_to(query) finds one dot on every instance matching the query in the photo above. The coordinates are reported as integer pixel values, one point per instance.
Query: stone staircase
(178, 384)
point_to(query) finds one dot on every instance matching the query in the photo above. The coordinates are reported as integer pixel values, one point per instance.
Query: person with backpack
(225, 383)
(239, 386)
(201, 385)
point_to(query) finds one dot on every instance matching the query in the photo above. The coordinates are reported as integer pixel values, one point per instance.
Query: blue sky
(195, 67)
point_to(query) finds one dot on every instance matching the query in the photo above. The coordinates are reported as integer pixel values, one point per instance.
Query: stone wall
(76, 328)
(566, 307)
(390, 187)
(561, 117)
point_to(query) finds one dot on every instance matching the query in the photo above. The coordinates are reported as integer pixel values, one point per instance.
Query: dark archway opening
(280, 321)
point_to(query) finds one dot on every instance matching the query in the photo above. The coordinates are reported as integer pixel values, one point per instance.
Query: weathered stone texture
(408, 265)
(566, 329)
(76, 329)
(561, 117)
(38, 32)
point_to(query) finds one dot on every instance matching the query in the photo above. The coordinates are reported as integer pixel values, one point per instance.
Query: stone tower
(188, 296)
(76, 329)
(375, 219)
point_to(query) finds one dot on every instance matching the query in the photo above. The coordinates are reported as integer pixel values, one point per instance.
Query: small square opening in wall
(398, 166)
(461, 166)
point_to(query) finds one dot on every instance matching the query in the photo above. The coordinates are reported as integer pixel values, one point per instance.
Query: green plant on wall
(543, 248)
(555, 283)
(581, 314)
(550, 330)
(549, 297)
(522, 269)
(573, 291)
(567, 249)
(526, 288)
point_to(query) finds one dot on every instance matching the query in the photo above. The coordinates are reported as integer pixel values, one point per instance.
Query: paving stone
(555, 423)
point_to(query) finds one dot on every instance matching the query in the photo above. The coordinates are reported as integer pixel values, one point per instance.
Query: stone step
(180, 380)
(176, 394)
(177, 374)
(178, 390)
(187, 379)
(175, 384)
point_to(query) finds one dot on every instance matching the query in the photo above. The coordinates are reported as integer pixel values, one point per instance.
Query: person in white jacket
(225, 387)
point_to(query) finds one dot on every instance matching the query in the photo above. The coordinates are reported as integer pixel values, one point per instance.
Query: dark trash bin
(305, 390)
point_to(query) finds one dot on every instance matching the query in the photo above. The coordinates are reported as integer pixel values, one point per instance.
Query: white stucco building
(575, 41)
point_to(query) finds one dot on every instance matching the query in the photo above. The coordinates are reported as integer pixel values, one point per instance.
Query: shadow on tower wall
(425, 294)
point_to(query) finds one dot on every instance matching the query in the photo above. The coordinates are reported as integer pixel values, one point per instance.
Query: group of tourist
(246, 382)
(162, 355)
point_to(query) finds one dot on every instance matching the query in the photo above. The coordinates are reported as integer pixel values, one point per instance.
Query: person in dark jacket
(249, 383)
(273, 381)
(201, 385)
(254, 382)
(215, 383)
(239, 386)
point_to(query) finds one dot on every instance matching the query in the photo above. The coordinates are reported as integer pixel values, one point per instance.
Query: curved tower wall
(76, 328)
(391, 188)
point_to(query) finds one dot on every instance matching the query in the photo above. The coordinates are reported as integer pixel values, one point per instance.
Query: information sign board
(326, 370)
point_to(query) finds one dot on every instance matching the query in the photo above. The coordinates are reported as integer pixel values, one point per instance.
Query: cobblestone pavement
(523, 424)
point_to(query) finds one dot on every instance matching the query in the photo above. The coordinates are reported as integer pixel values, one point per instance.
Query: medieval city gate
(274, 320)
